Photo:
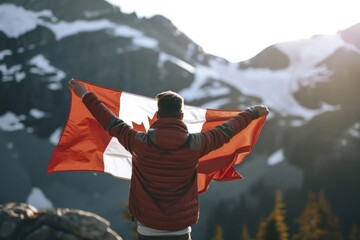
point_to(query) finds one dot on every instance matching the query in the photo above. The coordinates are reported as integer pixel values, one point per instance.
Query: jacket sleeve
(109, 121)
(214, 138)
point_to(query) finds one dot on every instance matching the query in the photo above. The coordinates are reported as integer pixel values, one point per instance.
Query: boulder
(23, 221)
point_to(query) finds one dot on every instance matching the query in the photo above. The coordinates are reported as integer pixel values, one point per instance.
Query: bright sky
(237, 30)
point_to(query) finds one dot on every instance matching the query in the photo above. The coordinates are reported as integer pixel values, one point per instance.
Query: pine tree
(245, 233)
(309, 221)
(274, 227)
(260, 235)
(218, 233)
(317, 221)
(328, 221)
(354, 233)
(279, 216)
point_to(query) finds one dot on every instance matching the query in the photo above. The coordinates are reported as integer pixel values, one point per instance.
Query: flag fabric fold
(85, 146)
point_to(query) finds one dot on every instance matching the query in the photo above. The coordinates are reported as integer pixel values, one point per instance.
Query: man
(163, 188)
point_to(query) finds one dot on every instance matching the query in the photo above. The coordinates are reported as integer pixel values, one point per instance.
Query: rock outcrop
(23, 221)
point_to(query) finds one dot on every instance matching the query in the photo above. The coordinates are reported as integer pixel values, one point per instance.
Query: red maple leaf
(141, 127)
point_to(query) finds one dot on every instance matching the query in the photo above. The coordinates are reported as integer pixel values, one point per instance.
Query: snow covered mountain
(310, 141)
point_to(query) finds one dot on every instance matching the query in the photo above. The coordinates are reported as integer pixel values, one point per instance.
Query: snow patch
(38, 199)
(16, 21)
(36, 113)
(64, 29)
(124, 31)
(354, 131)
(12, 73)
(309, 52)
(145, 42)
(41, 66)
(54, 86)
(275, 88)
(195, 91)
(216, 104)
(10, 122)
(138, 37)
(163, 57)
(190, 51)
(276, 157)
(5, 53)
(55, 136)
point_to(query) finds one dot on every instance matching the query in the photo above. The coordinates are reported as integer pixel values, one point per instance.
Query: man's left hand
(78, 88)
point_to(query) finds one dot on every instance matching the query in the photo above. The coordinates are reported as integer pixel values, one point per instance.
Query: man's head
(170, 105)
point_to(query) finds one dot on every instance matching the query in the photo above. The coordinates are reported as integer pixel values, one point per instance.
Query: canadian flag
(85, 146)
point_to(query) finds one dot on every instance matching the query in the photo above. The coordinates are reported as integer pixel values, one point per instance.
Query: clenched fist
(77, 88)
(261, 109)
(258, 110)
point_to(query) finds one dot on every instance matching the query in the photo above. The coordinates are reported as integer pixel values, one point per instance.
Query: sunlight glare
(238, 30)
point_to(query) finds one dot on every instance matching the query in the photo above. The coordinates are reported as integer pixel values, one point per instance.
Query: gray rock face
(23, 221)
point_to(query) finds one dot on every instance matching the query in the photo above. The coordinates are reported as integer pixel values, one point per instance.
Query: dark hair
(169, 104)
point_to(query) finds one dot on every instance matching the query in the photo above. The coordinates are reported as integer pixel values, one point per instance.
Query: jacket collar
(168, 133)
